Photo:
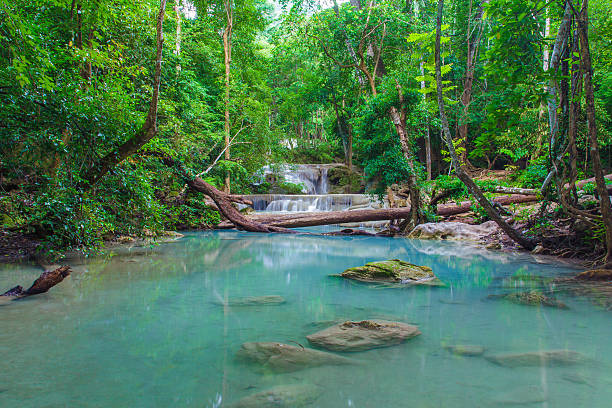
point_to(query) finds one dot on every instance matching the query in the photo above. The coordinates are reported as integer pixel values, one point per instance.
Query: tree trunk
(227, 53)
(148, 130)
(427, 136)
(46, 281)
(585, 58)
(553, 119)
(463, 176)
(468, 82)
(574, 111)
(177, 50)
(309, 219)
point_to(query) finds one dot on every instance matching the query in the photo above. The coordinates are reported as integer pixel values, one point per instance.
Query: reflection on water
(153, 327)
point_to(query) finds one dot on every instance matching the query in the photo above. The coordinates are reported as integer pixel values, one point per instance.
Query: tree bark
(551, 89)
(227, 54)
(468, 82)
(148, 130)
(427, 135)
(587, 69)
(46, 281)
(461, 174)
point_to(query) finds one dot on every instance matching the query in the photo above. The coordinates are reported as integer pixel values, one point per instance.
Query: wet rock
(575, 378)
(531, 298)
(465, 349)
(257, 301)
(285, 358)
(456, 231)
(392, 271)
(521, 396)
(363, 335)
(281, 396)
(538, 358)
(595, 275)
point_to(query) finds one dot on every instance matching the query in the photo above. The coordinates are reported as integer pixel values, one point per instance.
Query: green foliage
(533, 176)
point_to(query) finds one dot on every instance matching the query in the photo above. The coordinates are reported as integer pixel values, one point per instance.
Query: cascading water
(311, 203)
(312, 177)
(315, 182)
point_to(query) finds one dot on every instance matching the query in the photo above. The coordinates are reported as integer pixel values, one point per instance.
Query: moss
(393, 270)
(342, 180)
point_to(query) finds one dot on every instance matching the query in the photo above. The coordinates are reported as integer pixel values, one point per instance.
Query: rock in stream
(281, 357)
(531, 298)
(281, 396)
(268, 300)
(538, 358)
(392, 271)
(363, 335)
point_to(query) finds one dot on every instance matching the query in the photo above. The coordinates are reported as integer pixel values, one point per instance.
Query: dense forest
(124, 117)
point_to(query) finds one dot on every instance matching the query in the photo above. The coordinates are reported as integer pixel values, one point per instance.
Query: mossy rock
(392, 271)
(596, 275)
(342, 180)
(531, 298)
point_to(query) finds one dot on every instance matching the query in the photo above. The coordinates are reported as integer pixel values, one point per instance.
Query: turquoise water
(147, 327)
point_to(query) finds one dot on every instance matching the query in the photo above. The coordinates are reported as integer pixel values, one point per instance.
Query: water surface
(147, 327)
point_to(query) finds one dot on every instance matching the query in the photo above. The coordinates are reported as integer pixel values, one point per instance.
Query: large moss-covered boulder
(531, 298)
(281, 357)
(363, 335)
(281, 396)
(392, 271)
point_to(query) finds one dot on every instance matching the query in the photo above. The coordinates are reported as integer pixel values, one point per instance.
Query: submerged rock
(576, 378)
(281, 396)
(285, 358)
(456, 231)
(257, 301)
(595, 275)
(521, 396)
(531, 298)
(392, 271)
(465, 349)
(538, 358)
(363, 335)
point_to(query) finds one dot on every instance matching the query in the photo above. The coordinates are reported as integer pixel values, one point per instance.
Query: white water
(313, 177)
(311, 203)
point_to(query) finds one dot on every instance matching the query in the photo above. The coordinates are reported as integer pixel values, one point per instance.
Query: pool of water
(147, 327)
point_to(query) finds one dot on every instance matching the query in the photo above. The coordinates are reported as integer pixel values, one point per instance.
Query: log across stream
(309, 219)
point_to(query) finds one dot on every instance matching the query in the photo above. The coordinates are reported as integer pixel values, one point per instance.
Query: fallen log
(311, 219)
(582, 183)
(45, 281)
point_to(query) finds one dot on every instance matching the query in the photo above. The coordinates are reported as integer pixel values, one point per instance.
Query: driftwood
(46, 281)
(311, 219)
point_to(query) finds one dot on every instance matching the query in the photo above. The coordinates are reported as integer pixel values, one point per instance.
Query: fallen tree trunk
(312, 219)
(46, 281)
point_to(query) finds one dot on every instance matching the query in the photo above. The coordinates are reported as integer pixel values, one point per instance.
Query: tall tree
(455, 160)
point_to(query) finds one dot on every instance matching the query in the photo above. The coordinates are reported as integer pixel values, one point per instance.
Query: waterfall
(311, 203)
(313, 177)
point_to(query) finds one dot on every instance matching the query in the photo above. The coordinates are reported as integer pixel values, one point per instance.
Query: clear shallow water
(144, 328)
